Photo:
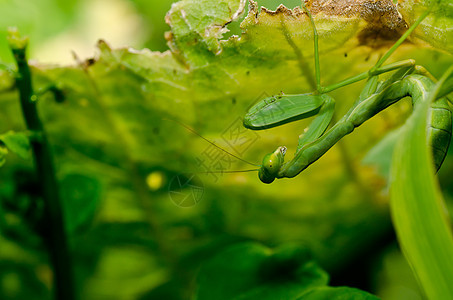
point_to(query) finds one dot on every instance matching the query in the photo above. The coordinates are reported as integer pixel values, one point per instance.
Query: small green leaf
(17, 142)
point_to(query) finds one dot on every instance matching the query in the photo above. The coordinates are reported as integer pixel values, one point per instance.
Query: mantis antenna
(232, 171)
(220, 148)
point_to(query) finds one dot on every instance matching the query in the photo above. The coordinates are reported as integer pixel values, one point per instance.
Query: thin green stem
(53, 233)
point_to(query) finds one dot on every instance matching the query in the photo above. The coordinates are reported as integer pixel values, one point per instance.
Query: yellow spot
(155, 180)
(83, 102)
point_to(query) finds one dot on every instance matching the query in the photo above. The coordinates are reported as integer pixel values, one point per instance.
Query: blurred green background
(148, 247)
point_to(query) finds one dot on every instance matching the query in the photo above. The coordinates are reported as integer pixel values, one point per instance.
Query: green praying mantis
(408, 79)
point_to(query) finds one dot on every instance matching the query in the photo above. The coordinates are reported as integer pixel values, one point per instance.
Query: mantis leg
(365, 75)
(319, 125)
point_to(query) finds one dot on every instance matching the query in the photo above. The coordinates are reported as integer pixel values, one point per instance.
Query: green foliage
(339, 293)
(252, 271)
(17, 142)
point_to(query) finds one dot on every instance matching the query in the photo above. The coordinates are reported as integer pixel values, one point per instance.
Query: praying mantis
(408, 79)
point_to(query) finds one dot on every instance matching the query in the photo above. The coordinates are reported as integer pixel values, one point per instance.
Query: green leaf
(252, 271)
(17, 142)
(3, 153)
(80, 195)
(436, 29)
(418, 208)
(337, 293)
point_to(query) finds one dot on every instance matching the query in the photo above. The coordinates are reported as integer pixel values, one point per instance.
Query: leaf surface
(17, 142)
(418, 208)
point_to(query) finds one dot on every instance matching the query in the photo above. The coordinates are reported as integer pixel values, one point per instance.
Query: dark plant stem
(53, 231)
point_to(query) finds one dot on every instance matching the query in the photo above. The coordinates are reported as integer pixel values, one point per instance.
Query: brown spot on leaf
(384, 24)
(281, 9)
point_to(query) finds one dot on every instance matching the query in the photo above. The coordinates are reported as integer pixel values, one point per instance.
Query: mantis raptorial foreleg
(408, 80)
(319, 125)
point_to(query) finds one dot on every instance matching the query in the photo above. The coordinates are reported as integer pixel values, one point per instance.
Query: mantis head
(272, 163)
